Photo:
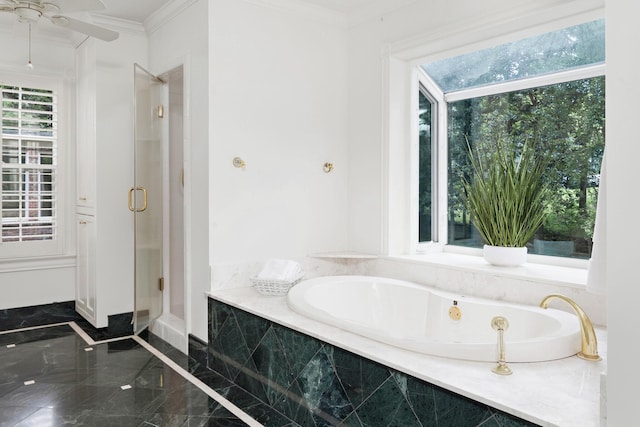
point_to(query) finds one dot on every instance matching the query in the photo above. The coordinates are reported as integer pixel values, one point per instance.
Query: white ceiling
(140, 10)
(132, 10)
(344, 6)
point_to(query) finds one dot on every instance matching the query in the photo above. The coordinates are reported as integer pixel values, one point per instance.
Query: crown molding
(166, 13)
(118, 24)
(524, 20)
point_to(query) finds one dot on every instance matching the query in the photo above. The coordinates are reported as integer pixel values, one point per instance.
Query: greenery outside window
(548, 90)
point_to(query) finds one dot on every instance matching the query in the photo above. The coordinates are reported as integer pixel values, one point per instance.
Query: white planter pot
(505, 256)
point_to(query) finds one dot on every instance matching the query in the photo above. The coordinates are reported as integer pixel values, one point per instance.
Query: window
(549, 90)
(425, 182)
(29, 164)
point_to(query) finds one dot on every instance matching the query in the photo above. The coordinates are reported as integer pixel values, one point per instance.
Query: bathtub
(416, 318)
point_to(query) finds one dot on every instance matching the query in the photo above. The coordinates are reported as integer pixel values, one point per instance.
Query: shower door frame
(146, 197)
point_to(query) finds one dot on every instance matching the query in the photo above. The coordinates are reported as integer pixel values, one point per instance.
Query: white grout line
(89, 340)
(186, 375)
(31, 328)
(113, 339)
(202, 386)
(82, 333)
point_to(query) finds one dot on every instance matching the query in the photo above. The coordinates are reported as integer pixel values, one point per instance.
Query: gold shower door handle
(144, 199)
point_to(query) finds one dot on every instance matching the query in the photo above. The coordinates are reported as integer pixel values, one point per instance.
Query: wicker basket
(273, 287)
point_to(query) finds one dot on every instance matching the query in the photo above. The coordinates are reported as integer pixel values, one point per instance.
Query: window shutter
(29, 146)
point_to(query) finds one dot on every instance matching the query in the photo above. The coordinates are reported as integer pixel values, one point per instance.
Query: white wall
(24, 282)
(278, 98)
(623, 152)
(389, 46)
(278, 101)
(51, 56)
(183, 40)
(442, 25)
(53, 280)
(114, 169)
(25, 288)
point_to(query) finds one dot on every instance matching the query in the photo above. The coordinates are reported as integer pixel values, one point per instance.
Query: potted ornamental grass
(506, 198)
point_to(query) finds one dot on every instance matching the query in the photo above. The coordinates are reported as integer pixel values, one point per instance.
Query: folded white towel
(281, 269)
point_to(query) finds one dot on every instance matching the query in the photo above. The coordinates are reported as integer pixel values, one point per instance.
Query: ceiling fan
(30, 12)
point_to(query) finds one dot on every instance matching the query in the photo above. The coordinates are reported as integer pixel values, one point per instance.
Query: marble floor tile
(51, 377)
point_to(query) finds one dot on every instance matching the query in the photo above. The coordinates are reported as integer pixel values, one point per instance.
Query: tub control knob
(500, 323)
(455, 313)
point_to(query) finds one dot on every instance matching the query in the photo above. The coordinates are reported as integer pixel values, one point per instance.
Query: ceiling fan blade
(68, 6)
(7, 5)
(84, 27)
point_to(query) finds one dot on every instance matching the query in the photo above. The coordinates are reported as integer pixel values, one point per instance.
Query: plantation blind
(29, 140)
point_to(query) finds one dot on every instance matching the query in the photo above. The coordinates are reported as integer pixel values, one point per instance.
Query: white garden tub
(415, 317)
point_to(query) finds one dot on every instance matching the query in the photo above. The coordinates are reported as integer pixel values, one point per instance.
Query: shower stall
(157, 202)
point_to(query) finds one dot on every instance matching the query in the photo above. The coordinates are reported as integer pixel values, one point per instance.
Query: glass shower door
(145, 198)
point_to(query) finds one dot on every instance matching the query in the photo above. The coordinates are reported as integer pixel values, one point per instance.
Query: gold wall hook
(327, 167)
(238, 162)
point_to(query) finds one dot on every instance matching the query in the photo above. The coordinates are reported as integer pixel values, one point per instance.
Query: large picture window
(547, 90)
(29, 162)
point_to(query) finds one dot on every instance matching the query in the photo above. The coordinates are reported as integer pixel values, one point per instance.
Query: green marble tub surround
(313, 383)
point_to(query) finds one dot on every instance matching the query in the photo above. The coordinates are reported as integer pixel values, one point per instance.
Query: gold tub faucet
(589, 349)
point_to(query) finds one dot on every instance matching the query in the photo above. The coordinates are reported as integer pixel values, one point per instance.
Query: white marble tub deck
(563, 393)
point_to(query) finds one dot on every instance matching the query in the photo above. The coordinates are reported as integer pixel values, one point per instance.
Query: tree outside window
(564, 118)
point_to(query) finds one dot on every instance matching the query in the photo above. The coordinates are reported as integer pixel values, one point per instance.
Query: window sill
(569, 277)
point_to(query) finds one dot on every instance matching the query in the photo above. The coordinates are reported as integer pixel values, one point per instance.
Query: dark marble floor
(196, 364)
(51, 377)
(74, 387)
(48, 314)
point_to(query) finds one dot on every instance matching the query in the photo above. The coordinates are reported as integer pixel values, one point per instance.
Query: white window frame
(439, 199)
(12, 251)
(400, 138)
(439, 170)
